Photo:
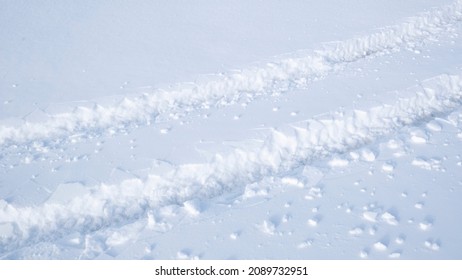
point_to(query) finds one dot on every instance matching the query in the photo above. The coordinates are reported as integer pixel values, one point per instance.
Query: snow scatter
(108, 205)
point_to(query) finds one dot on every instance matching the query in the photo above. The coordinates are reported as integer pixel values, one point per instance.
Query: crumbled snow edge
(113, 205)
(275, 77)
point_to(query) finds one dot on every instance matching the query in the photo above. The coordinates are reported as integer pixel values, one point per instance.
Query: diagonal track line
(113, 205)
(276, 77)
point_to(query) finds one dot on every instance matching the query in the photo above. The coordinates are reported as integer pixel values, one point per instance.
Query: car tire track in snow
(273, 78)
(106, 206)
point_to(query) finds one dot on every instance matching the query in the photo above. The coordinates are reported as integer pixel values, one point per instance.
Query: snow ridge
(273, 78)
(114, 205)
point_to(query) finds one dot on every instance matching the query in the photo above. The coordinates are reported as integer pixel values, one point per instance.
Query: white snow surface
(275, 131)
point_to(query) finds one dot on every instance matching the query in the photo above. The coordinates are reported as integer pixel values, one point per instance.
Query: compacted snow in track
(350, 149)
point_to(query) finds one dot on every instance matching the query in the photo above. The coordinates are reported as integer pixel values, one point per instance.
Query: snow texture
(305, 155)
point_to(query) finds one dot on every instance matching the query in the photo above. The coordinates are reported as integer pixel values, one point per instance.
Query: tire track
(275, 77)
(114, 205)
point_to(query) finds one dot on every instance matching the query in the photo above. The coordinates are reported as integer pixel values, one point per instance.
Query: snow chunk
(370, 216)
(27, 160)
(434, 125)
(151, 220)
(75, 240)
(186, 255)
(356, 231)
(192, 207)
(428, 164)
(286, 218)
(389, 218)
(117, 239)
(363, 254)
(234, 235)
(368, 155)
(419, 205)
(380, 246)
(354, 155)
(314, 192)
(338, 163)
(313, 222)
(419, 137)
(394, 144)
(399, 240)
(164, 130)
(388, 167)
(291, 181)
(305, 244)
(267, 227)
(425, 225)
(432, 245)
(255, 190)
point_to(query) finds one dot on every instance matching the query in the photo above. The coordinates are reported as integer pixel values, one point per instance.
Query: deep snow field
(231, 129)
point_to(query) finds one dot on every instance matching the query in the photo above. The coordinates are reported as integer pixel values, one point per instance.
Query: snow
(323, 137)
(390, 218)
(379, 246)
